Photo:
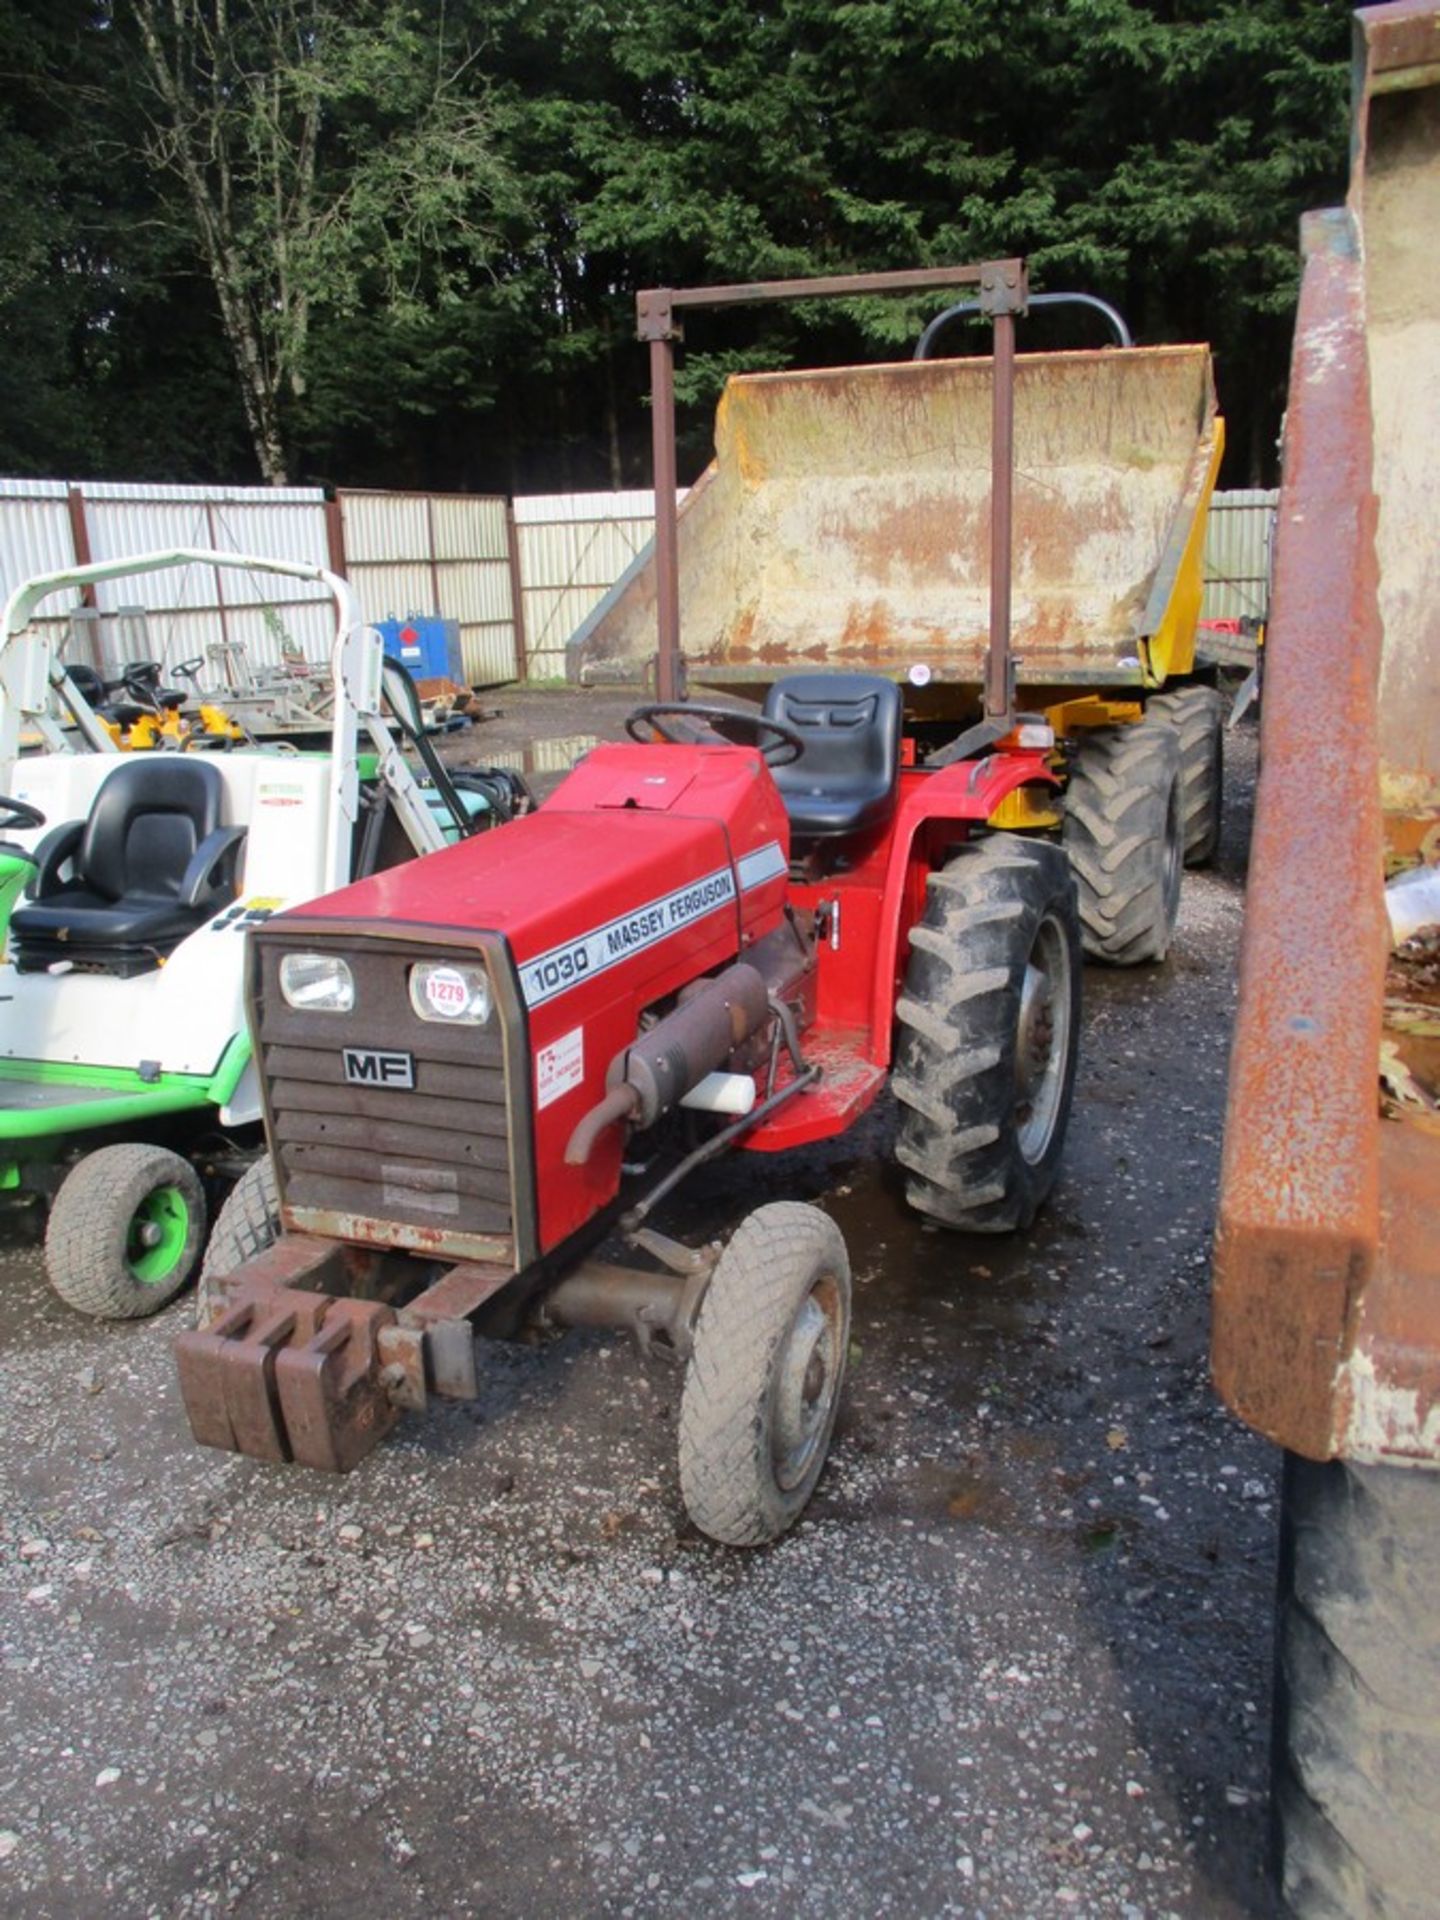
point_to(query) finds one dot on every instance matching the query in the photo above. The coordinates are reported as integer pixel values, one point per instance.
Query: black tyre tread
(954, 1069)
(248, 1222)
(1116, 808)
(85, 1239)
(1198, 716)
(762, 1277)
(1357, 1715)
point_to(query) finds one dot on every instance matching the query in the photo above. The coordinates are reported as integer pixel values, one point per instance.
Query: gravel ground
(1013, 1662)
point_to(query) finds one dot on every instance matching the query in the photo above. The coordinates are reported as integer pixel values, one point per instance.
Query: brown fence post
(517, 592)
(432, 556)
(80, 538)
(335, 536)
(219, 583)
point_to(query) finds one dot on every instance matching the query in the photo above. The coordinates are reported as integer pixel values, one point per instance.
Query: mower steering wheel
(189, 669)
(141, 680)
(715, 720)
(18, 815)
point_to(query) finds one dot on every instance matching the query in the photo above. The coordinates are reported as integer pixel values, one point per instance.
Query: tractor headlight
(459, 996)
(317, 983)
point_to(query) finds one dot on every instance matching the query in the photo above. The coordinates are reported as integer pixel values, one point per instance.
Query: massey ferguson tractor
(485, 1073)
(477, 1070)
(732, 934)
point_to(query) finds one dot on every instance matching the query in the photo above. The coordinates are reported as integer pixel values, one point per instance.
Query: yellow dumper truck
(848, 522)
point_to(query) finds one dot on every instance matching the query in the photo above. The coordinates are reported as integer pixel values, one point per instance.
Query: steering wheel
(140, 679)
(716, 719)
(189, 670)
(18, 815)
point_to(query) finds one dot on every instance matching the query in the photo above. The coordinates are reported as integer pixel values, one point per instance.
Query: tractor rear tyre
(125, 1231)
(763, 1380)
(989, 1025)
(248, 1222)
(1356, 1797)
(1124, 832)
(1198, 716)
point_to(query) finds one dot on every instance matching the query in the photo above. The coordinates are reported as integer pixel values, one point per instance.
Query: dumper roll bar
(1004, 292)
(925, 345)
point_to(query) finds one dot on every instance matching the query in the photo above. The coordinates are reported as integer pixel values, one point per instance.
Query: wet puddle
(542, 756)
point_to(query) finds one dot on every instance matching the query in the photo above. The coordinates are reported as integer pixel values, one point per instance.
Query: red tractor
(479, 1068)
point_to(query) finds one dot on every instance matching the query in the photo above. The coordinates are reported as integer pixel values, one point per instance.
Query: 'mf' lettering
(370, 1067)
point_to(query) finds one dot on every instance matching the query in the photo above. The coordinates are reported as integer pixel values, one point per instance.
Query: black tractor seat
(846, 780)
(121, 890)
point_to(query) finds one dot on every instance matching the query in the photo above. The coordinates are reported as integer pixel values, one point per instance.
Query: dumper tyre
(1198, 716)
(762, 1384)
(125, 1231)
(1124, 833)
(248, 1222)
(1356, 1794)
(989, 1025)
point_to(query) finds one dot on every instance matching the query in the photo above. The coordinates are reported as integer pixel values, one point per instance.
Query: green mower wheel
(126, 1231)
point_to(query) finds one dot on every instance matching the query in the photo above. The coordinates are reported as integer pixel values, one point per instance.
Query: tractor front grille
(430, 1166)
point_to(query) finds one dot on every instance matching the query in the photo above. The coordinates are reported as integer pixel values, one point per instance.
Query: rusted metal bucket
(845, 522)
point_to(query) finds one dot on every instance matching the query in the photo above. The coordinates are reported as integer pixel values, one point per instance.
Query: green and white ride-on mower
(128, 1098)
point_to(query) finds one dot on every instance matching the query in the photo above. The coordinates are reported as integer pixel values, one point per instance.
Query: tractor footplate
(288, 1375)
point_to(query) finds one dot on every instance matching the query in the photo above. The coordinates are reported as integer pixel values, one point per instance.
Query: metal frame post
(998, 689)
(667, 518)
(1004, 292)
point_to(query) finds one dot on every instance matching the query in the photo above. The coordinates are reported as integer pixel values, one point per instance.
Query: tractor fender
(963, 795)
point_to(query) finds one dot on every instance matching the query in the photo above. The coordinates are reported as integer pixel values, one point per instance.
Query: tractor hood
(647, 868)
(641, 855)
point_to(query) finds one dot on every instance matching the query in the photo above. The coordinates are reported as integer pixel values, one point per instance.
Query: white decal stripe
(566, 966)
(765, 863)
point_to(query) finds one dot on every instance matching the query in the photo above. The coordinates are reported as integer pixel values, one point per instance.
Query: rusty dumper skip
(1327, 1272)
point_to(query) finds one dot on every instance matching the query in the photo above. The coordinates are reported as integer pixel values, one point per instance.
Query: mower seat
(846, 780)
(87, 682)
(119, 891)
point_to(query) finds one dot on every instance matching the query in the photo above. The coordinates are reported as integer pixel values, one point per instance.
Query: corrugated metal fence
(573, 548)
(439, 553)
(518, 576)
(1237, 554)
(47, 525)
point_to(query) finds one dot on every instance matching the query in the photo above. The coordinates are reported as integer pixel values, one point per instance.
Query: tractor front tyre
(762, 1384)
(989, 1024)
(1356, 1794)
(125, 1231)
(1124, 831)
(248, 1222)
(1198, 716)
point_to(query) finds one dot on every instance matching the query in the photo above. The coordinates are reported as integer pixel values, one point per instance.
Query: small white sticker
(446, 991)
(559, 1067)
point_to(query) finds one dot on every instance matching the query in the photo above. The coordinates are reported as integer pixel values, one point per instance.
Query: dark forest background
(396, 242)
